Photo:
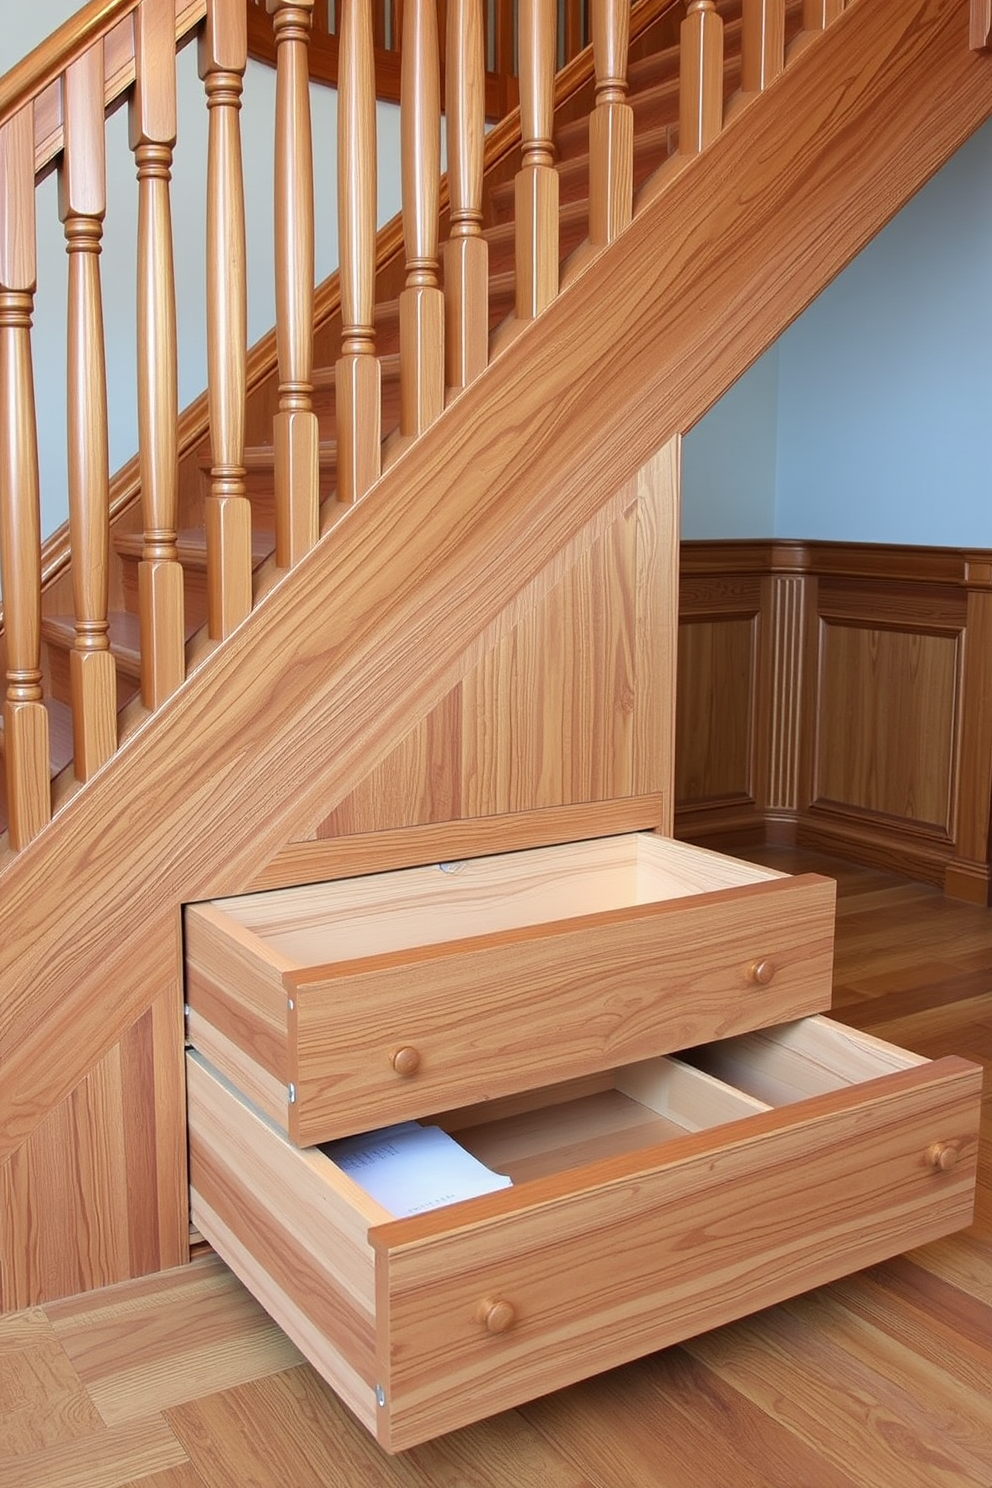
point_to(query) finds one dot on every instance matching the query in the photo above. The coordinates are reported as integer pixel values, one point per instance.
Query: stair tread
(262, 456)
(501, 285)
(323, 378)
(123, 632)
(191, 544)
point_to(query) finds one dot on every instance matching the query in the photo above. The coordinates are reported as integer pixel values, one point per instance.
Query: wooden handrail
(36, 79)
(140, 44)
(194, 422)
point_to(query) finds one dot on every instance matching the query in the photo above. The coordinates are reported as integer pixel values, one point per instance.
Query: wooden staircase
(654, 99)
(337, 658)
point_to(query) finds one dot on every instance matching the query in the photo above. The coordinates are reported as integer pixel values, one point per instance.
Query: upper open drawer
(343, 1006)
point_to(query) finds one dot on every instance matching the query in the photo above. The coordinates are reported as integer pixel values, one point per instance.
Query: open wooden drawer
(400, 994)
(648, 1204)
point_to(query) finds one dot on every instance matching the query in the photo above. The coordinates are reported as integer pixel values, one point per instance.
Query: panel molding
(869, 729)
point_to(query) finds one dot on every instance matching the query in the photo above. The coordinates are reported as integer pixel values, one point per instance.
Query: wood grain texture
(886, 736)
(700, 77)
(569, 1325)
(135, 1356)
(903, 951)
(572, 702)
(37, 77)
(222, 61)
(295, 434)
(864, 721)
(714, 712)
(308, 861)
(762, 43)
(874, 1191)
(481, 1010)
(319, 727)
(101, 1183)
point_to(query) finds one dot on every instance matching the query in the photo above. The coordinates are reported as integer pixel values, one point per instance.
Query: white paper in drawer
(408, 1168)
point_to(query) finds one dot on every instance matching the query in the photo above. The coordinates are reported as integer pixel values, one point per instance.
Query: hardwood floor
(883, 1380)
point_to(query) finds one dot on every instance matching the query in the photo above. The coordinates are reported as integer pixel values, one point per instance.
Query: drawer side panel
(295, 1235)
(598, 1277)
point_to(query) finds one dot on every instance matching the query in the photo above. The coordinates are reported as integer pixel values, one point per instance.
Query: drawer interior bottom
(561, 1128)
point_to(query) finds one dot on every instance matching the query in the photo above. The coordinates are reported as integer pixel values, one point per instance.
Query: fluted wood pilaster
(25, 720)
(295, 432)
(611, 125)
(762, 43)
(357, 375)
(82, 204)
(466, 253)
(421, 302)
(787, 606)
(700, 77)
(536, 186)
(222, 60)
(153, 136)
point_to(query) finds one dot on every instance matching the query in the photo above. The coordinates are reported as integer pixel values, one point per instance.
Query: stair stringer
(364, 636)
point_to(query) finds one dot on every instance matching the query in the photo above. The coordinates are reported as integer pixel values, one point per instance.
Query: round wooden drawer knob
(942, 1156)
(405, 1061)
(497, 1314)
(761, 972)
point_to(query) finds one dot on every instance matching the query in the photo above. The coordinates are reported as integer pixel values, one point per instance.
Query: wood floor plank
(184, 1476)
(880, 1381)
(840, 1406)
(144, 1350)
(672, 1422)
(941, 1324)
(109, 1458)
(967, 1264)
(957, 1412)
(42, 1400)
(289, 1429)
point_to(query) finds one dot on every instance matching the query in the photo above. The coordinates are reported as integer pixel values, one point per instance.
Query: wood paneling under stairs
(877, 1381)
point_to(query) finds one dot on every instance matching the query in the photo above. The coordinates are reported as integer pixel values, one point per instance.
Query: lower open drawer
(647, 1205)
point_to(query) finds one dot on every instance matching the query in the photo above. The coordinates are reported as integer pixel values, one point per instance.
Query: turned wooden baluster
(466, 253)
(421, 303)
(536, 185)
(222, 60)
(611, 125)
(82, 203)
(819, 14)
(153, 135)
(25, 721)
(700, 77)
(295, 433)
(762, 43)
(357, 375)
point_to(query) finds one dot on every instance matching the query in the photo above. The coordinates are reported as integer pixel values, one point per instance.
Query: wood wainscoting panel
(569, 700)
(886, 724)
(714, 711)
(717, 709)
(84, 1173)
(859, 722)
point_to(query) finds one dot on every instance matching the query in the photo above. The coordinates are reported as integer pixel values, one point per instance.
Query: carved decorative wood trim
(865, 718)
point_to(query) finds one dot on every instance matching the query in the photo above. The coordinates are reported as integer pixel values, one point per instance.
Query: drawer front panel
(412, 1035)
(730, 1221)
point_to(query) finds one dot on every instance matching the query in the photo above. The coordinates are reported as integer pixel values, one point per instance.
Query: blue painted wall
(881, 422)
